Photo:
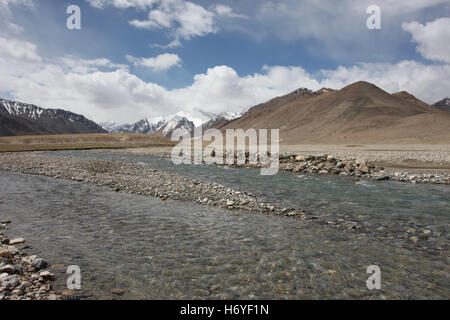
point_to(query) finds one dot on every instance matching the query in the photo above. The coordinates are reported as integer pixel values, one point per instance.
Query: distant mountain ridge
(158, 125)
(18, 118)
(443, 105)
(359, 113)
(144, 126)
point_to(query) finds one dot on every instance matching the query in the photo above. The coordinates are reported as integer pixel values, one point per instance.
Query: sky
(135, 59)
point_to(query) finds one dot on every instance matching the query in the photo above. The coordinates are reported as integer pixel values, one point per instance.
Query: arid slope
(358, 113)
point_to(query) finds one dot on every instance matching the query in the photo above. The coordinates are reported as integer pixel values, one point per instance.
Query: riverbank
(23, 276)
(417, 164)
(148, 181)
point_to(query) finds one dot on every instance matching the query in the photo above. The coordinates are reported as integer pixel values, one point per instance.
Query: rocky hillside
(17, 118)
(443, 105)
(358, 113)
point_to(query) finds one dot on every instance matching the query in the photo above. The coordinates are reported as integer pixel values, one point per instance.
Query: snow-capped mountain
(220, 119)
(443, 104)
(175, 124)
(144, 126)
(17, 118)
(158, 125)
(165, 126)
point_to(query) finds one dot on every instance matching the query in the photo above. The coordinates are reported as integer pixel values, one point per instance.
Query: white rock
(16, 241)
(46, 275)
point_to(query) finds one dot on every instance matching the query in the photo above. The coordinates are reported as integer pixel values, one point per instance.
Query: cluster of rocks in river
(22, 276)
(325, 164)
(147, 181)
(360, 168)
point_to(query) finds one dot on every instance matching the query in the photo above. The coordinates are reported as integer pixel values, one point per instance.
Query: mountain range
(358, 113)
(160, 126)
(17, 118)
(165, 126)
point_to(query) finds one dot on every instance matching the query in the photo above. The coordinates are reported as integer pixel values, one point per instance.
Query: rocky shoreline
(147, 181)
(23, 276)
(347, 165)
(360, 168)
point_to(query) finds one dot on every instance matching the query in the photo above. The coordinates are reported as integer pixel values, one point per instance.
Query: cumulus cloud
(123, 4)
(6, 17)
(18, 50)
(183, 20)
(105, 91)
(226, 11)
(163, 62)
(433, 38)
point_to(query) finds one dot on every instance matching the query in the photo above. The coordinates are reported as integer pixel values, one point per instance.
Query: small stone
(46, 275)
(8, 269)
(16, 241)
(382, 178)
(13, 282)
(68, 293)
(39, 263)
(414, 239)
(4, 252)
(118, 291)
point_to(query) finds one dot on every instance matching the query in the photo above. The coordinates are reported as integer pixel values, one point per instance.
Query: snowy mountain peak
(444, 104)
(20, 118)
(19, 109)
(164, 126)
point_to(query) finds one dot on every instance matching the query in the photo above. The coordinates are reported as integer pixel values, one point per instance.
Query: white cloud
(73, 64)
(123, 4)
(15, 28)
(183, 20)
(6, 16)
(408, 6)
(6, 3)
(226, 11)
(105, 91)
(20, 51)
(433, 38)
(163, 62)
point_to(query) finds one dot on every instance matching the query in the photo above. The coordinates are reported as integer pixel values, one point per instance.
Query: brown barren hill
(358, 113)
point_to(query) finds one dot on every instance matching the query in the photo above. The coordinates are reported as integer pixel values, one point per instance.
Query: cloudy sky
(145, 58)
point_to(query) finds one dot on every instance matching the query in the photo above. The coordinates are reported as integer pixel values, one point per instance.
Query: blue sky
(225, 55)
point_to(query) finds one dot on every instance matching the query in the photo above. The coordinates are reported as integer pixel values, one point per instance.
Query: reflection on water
(166, 249)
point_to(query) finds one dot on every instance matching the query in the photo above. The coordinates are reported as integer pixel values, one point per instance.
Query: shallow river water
(157, 249)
